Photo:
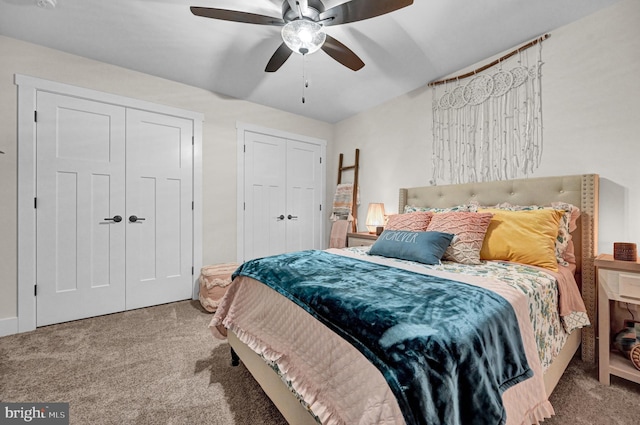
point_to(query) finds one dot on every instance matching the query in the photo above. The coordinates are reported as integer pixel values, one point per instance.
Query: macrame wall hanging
(487, 124)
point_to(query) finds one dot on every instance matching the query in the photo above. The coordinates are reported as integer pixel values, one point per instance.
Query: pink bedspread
(337, 382)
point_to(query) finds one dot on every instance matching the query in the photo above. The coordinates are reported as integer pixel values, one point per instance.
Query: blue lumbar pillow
(423, 247)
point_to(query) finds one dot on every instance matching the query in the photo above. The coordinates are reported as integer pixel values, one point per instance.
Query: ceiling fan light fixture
(303, 36)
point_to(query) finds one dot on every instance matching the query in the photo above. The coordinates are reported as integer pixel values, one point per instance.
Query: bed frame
(579, 190)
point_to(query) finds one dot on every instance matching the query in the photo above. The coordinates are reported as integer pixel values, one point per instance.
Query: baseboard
(8, 326)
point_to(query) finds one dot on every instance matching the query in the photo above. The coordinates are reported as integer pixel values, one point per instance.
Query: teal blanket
(447, 349)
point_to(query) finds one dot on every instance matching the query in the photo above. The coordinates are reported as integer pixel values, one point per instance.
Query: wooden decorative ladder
(354, 204)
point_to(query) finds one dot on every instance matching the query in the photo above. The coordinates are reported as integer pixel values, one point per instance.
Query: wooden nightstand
(361, 239)
(617, 281)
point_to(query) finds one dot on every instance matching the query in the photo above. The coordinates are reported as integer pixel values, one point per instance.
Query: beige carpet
(160, 365)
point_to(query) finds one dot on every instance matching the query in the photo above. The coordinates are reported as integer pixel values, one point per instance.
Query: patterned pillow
(414, 222)
(423, 247)
(468, 208)
(469, 229)
(566, 226)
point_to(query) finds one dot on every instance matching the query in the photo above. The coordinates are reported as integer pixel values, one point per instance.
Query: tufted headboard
(579, 190)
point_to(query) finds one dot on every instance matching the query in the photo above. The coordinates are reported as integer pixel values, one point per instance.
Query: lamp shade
(375, 217)
(303, 36)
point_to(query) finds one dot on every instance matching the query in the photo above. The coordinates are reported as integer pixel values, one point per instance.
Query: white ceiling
(402, 50)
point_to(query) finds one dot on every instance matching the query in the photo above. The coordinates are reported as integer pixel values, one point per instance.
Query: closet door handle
(280, 217)
(133, 218)
(115, 218)
(291, 216)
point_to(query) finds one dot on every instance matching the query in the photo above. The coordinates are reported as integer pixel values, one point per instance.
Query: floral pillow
(465, 207)
(414, 222)
(469, 229)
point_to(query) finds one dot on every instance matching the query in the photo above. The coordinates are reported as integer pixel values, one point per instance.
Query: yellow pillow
(526, 237)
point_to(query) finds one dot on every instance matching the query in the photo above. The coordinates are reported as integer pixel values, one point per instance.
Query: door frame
(27, 90)
(241, 128)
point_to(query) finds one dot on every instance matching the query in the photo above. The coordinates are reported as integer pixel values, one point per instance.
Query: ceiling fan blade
(358, 10)
(280, 56)
(342, 53)
(236, 16)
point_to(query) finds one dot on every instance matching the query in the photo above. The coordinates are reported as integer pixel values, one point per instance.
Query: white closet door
(265, 195)
(282, 195)
(159, 208)
(80, 188)
(304, 196)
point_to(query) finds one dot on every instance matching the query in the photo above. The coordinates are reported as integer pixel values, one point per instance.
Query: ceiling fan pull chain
(304, 79)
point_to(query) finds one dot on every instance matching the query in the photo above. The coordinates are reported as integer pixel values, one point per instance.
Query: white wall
(219, 142)
(591, 113)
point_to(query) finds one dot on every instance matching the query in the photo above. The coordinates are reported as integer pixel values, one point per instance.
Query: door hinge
(35, 116)
(320, 160)
(192, 206)
(244, 148)
(35, 202)
(35, 290)
(192, 270)
(320, 207)
(244, 206)
(193, 140)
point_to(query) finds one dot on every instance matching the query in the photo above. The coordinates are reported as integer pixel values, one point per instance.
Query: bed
(310, 371)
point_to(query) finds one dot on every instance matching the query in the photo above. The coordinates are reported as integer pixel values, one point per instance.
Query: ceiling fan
(303, 23)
